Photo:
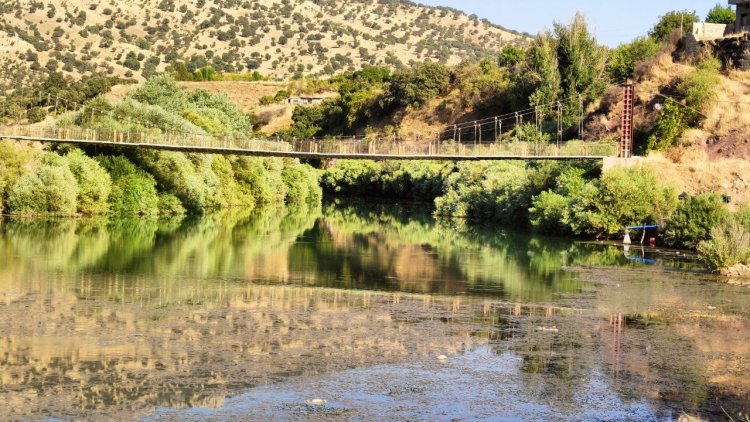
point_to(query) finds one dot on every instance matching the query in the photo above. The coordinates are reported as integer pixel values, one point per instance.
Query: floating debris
(317, 402)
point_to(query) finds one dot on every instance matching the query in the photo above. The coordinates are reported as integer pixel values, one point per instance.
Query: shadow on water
(121, 317)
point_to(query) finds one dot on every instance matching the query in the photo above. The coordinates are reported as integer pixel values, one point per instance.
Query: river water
(358, 312)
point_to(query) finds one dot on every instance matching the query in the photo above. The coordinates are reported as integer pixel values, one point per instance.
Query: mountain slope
(279, 38)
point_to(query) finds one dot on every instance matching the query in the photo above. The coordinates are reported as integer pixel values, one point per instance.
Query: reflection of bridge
(341, 148)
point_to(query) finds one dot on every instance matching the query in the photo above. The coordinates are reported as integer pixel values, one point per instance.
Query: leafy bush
(549, 213)
(694, 219)
(669, 127)
(551, 210)
(496, 192)
(37, 114)
(721, 14)
(416, 86)
(510, 56)
(414, 180)
(742, 216)
(352, 178)
(301, 185)
(528, 132)
(13, 164)
(133, 191)
(729, 245)
(187, 176)
(602, 207)
(700, 86)
(50, 189)
(623, 59)
(357, 102)
(622, 197)
(252, 177)
(161, 90)
(169, 205)
(674, 21)
(94, 183)
(134, 194)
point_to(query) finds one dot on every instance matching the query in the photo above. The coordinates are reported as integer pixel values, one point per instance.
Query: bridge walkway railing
(359, 147)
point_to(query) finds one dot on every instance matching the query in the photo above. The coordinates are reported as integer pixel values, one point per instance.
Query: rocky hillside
(278, 38)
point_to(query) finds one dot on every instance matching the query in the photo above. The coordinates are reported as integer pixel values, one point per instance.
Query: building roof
(739, 1)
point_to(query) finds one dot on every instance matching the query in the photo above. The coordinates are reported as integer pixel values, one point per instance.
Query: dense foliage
(52, 93)
(555, 198)
(623, 59)
(721, 14)
(359, 93)
(699, 90)
(604, 207)
(729, 242)
(415, 86)
(421, 181)
(147, 182)
(674, 21)
(694, 219)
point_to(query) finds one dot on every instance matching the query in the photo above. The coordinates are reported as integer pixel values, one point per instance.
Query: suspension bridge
(340, 148)
(478, 140)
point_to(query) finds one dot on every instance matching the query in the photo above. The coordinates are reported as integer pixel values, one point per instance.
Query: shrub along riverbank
(568, 199)
(67, 181)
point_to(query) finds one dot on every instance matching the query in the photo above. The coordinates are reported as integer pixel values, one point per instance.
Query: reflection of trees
(112, 359)
(178, 289)
(651, 336)
(445, 258)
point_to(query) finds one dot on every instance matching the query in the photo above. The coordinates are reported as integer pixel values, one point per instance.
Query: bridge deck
(306, 155)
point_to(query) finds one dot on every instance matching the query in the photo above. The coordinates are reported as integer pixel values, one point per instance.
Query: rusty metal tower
(626, 139)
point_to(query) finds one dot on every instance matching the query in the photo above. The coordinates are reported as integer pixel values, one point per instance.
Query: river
(358, 311)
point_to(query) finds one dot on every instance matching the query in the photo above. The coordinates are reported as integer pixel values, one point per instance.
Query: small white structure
(305, 100)
(703, 32)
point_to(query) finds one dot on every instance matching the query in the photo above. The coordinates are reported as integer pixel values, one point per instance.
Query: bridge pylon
(626, 136)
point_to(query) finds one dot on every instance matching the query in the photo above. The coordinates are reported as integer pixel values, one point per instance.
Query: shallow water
(358, 312)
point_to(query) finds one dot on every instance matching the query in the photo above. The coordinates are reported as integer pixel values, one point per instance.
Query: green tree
(729, 245)
(674, 21)
(623, 59)
(582, 62)
(669, 127)
(544, 70)
(694, 219)
(699, 87)
(621, 198)
(93, 181)
(510, 56)
(132, 62)
(565, 64)
(416, 86)
(721, 14)
(49, 189)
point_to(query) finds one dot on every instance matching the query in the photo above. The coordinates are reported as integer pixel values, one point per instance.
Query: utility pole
(682, 24)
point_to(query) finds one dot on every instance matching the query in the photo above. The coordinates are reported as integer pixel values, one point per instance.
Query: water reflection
(116, 318)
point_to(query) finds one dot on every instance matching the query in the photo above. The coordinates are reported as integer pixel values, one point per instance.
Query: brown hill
(278, 38)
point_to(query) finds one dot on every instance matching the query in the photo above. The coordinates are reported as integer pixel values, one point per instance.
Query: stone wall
(704, 32)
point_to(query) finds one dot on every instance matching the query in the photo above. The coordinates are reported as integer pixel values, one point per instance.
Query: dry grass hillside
(712, 158)
(278, 38)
